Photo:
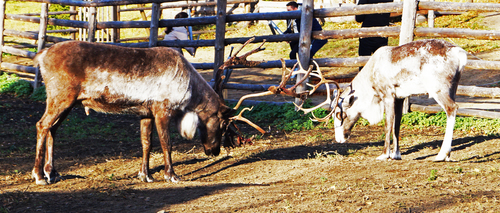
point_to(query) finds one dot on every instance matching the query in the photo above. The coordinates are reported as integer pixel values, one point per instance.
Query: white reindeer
(394, 73)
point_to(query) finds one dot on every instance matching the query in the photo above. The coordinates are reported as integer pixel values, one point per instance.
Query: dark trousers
(315, 46)
(367, 46)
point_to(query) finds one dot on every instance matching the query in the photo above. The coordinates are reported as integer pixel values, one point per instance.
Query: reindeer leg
(389, 124)
(46, 128)
(398, 110)
(49, 168)
(146, 138)
(42, 134)
(162, 121)
(451, 108)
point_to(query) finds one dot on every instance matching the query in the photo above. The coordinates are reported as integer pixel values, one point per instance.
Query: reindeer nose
(212, 152)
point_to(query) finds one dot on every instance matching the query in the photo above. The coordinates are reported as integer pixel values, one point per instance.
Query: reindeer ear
(349, 101)
(352, 98)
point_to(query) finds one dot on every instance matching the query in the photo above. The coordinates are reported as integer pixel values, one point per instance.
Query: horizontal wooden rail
(483, 64)
(32, 35)
(322, 62)
(458, 7)
(51, 21)
(18, 52)
(358, 33)
(97, 3)
(460, 111)
(188, 5)
(52, 13)
(457, 33)
(473, 91)
(359, 10)
(11, 66)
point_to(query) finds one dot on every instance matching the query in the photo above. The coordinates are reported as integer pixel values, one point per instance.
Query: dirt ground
(281, 172)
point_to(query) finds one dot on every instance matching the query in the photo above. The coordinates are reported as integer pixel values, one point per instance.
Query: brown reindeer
(157, 84)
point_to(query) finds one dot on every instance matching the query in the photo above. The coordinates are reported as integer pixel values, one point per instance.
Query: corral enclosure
(284, 172)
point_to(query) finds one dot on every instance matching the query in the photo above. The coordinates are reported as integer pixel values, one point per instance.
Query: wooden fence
(405, 32)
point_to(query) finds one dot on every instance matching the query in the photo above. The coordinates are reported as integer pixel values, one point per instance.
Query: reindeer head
(214, 127)
(221, 124)
(344, 119)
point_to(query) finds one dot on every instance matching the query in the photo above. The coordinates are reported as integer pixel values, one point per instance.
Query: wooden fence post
(306, 19)
(408, 21)
(406, 36)
(220, 31)
(116, 17)
(42, 34)
(430, 17)
(92, 25)
(155, 18)
(73, 18)
(2, 26)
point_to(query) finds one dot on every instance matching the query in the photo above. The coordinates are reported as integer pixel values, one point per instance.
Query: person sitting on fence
(294, 27)
(179, 33)
(367, 46)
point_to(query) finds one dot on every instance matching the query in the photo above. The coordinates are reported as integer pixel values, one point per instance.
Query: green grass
(433, 176)
(14, 85)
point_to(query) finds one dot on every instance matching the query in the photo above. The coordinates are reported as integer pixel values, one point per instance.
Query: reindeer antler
(236, 60)
(239, 117)
(231, 129)
(328, 100)
(281, 88)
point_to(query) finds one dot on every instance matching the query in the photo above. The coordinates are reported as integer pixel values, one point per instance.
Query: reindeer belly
(117, 106)
(409, 88)
(104, 101)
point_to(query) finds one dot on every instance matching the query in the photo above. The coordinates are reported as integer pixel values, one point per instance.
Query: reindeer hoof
(42, 182)
(145, 178)
(38, 181)
(383, 157)
(173, 179)
(447, 159)
(396, 156)
(442, 157)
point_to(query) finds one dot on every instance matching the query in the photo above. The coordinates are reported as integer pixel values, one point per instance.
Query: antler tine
(322, 80)
(301, 71)
(327, 117)
(327, 101)
(234, 59)
(239, 117)
(244, 44)
(251, 96)
(284, 76)
(254, 50)
(281, 88)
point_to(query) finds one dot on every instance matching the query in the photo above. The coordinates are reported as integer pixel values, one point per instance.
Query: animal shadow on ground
(458, 144)
(290, 153)
(329, 148)
(113, 200)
